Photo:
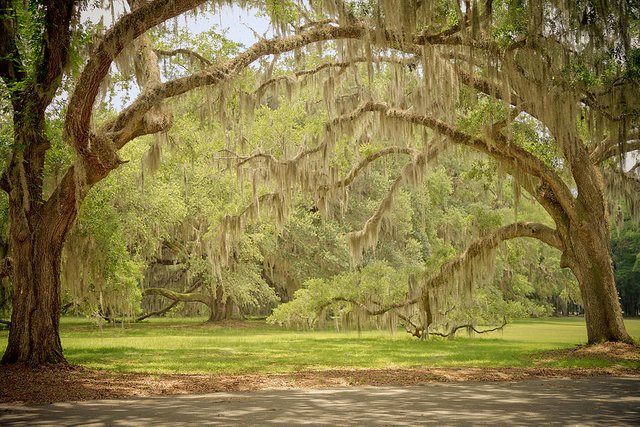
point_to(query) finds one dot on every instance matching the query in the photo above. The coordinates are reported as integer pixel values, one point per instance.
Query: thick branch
(56, 40)
(186, 53)
(342, 65)
(126, 125)
(455, 329)
(129, 27)
(477, 248)
(610, 147)
(178, 296)
(162, 311)
(510, 155)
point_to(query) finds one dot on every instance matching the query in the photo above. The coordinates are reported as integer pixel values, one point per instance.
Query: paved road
(586, 401)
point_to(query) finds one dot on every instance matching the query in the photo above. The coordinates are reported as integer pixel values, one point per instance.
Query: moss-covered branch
(125, 30)
(510, 155)
(179, 296)
(480, 247)
(187, 53)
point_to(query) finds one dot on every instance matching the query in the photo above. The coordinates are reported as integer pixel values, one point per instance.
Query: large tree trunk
(36, 251)
(34, 337)
(593, 268)
(221, 307)
(36, 236)
(587, 236)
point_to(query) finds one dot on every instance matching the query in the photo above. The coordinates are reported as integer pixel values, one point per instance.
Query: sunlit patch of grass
(189, 346)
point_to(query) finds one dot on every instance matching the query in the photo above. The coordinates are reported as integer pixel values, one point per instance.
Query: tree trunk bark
(36, 236)
(591, 263)
(34, 337)
(221, 307)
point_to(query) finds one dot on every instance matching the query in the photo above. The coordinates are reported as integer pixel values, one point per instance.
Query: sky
(231, 18)
(238, 23)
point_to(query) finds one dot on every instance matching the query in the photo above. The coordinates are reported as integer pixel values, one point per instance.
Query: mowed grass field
(190, 346)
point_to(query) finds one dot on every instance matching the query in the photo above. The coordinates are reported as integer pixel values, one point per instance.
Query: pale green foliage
(320, 299)
(243, 281)
(98, 274)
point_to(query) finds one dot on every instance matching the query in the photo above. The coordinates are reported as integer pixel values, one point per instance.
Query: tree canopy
(536, 98)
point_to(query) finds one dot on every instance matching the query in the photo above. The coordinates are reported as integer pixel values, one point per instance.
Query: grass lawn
(189, 346)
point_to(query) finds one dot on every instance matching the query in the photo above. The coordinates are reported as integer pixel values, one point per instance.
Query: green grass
(188, 346)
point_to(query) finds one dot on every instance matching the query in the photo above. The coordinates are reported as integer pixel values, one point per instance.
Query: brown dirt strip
(19, 385)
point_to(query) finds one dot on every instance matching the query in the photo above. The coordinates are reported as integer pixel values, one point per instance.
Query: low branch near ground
(418, 331)
(178, 296)
(164, 310)
(455, 329)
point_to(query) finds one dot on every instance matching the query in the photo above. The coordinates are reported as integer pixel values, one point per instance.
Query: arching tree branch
(162, 311)
(468, 326)
(480, 246)
(355, 171)
(187, 53)
(127, 125)
(126, 29)
(178, 296)
(511, 155)
(611, 148)
(328, 65)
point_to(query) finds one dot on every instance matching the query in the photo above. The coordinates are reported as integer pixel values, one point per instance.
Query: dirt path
(20, 386)
(555, 401)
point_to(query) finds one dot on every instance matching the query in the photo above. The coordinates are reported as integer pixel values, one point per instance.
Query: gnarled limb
(471, 327)
(510, 155)
(483, 244)
(162, 311)
(126, 29)
(178, 296)
(186, 53)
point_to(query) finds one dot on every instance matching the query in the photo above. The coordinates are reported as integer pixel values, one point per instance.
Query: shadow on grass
(299, 354)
